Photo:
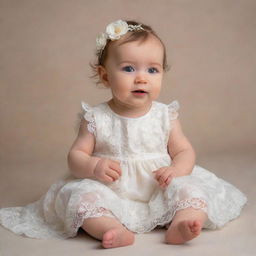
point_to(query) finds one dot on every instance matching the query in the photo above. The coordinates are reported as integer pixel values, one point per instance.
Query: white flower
(116, 29)
(101, 41)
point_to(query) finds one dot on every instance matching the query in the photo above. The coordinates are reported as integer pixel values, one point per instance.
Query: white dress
(136, 199)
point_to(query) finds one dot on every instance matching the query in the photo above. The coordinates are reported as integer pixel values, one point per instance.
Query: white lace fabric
(136, 200)
(88, 116)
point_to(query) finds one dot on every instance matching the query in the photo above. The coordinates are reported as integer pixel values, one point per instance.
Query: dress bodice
(124, 138)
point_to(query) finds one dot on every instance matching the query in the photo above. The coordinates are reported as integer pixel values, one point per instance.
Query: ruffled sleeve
(89, 117)
(173, 108)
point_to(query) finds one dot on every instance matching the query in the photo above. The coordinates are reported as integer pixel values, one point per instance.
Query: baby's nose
(140, 79)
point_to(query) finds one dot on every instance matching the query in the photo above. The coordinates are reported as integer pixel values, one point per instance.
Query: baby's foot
(183, 232)
(190, 229)
(117, 237)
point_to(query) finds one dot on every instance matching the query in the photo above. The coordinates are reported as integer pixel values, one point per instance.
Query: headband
(114, 31)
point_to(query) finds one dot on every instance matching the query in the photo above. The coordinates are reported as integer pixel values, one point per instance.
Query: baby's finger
(158, 173)
(163, 178)
(108, 179)
(113, 174)
(114, 165)
(168, 181)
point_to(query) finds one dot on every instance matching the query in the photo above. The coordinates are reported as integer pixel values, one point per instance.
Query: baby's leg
(185, 226)
(109, 230)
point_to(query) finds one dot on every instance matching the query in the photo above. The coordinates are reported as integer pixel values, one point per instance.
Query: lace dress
(136, 199)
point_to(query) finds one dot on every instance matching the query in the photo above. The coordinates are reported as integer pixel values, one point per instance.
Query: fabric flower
(101, 41)
(116, 29)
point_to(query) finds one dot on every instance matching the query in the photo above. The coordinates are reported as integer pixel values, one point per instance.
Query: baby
(135, 147)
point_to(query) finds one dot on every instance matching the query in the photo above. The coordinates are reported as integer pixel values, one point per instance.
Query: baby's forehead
(138, 40)
(151, 45)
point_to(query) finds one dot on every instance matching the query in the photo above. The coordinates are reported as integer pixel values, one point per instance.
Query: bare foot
(183, 231)
(117, 237)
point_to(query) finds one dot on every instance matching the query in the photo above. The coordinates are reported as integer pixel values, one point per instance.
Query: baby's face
(134, 72)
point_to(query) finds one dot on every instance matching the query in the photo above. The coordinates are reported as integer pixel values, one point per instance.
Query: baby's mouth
(139, 92)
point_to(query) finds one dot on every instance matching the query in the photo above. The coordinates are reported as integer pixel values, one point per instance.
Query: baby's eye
(153, 70)
(128, 69)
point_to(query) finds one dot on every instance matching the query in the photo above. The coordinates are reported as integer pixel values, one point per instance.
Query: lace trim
(195, 203)
(166, 218)
(173, 108)
(88, 210)
(89, 117)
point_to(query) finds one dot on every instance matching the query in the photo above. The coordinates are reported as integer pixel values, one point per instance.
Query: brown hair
(135, 35)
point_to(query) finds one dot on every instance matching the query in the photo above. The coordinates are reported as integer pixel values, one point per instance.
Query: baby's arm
(83, 165)
(181, 153)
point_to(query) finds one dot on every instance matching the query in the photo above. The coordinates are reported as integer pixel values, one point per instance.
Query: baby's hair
(136, 35)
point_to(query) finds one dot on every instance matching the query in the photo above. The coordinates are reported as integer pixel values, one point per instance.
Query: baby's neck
(128, 111)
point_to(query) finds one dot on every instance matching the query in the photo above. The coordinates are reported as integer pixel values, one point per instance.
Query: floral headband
(114, 31)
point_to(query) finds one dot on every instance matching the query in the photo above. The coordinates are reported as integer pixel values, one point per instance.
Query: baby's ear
(103, 75)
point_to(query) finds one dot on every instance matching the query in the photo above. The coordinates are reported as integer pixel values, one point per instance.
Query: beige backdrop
(45, 50)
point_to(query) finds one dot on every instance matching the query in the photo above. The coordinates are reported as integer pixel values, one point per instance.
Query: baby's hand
(107, 170)
(164, 175)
